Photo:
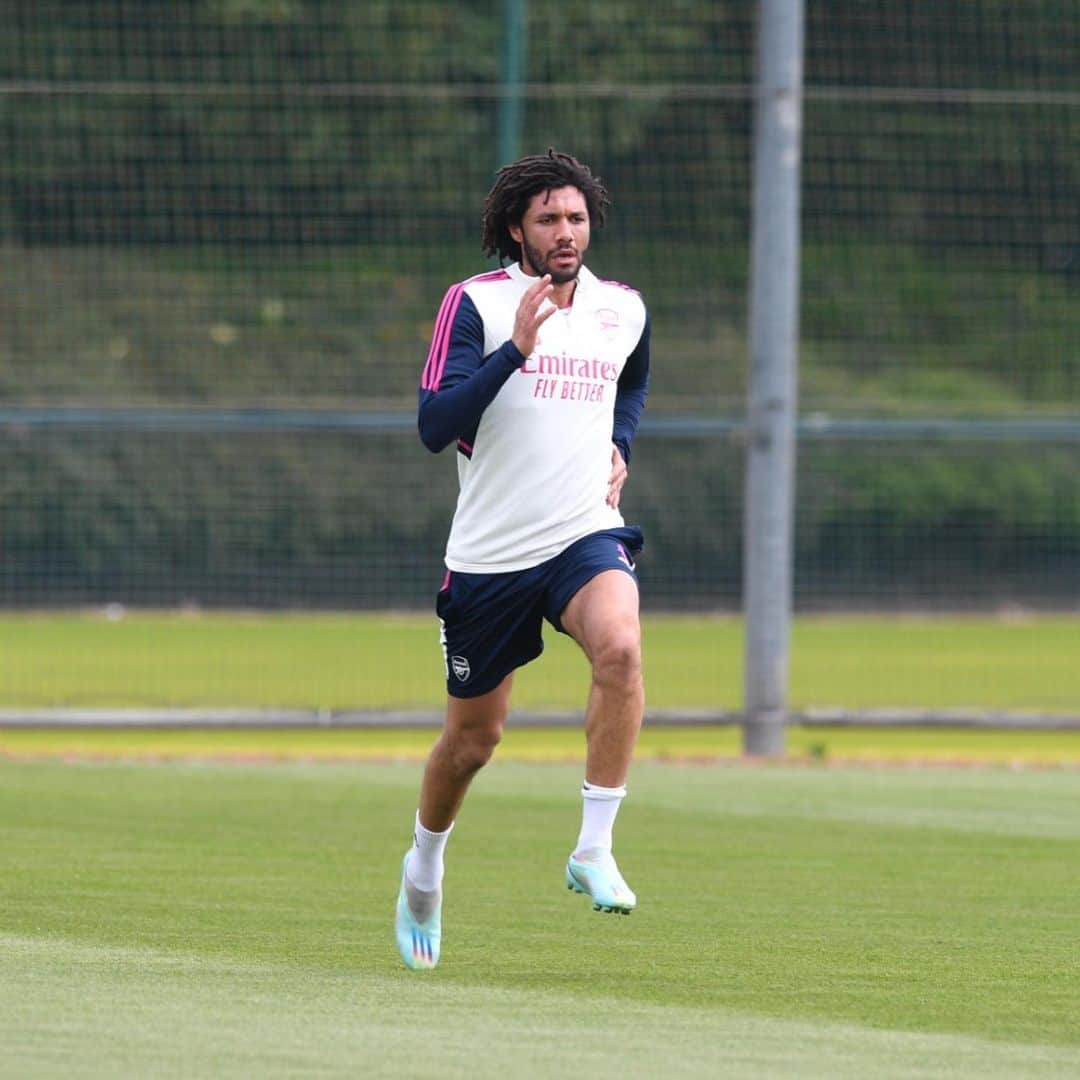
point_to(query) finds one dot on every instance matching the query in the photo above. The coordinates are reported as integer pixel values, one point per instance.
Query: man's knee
(617, 658)
(471, 747)
(474, 728)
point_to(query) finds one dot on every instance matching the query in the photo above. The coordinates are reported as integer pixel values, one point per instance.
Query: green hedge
(361, 521)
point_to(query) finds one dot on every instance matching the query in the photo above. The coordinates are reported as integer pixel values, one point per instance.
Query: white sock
(598, 810)
(424, 869)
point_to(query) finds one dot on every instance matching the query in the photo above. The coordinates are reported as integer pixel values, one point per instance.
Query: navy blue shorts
(491, 623)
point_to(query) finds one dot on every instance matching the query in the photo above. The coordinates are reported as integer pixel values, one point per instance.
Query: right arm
(459, 382)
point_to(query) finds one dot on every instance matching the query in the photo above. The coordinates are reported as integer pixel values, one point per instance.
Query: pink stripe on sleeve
(618, 285)
(441, 345)
(444, 325)
(432, 361)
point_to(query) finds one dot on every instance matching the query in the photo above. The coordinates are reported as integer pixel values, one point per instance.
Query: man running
(538, 373)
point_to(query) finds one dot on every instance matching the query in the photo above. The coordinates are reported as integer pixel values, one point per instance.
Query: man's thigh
(571, 574)
(604, 613)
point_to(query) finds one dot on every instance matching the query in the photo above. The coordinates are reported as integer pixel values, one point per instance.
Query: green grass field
(661, 743)
(393, 661)
(209, 919)
(175, 905)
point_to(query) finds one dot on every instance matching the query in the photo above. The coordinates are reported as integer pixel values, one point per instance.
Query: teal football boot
(417, 941)
(595, 874)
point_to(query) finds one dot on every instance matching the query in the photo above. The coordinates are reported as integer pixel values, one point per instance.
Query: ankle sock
(598, 810)
(424, 870)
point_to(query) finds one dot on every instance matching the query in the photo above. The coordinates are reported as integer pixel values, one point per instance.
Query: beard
(559, 275)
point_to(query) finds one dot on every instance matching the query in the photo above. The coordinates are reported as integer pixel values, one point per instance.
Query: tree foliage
(309, 121)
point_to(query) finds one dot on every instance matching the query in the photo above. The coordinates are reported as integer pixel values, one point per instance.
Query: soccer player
(537, 373)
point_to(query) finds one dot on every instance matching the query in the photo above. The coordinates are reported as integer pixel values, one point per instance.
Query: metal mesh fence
(225, 228)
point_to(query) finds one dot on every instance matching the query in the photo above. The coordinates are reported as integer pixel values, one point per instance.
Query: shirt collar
(586, 278)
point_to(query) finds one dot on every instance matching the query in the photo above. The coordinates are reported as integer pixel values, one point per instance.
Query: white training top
(533, 474)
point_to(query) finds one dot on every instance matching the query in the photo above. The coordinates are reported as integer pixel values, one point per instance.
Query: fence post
(771, 421)
(511, 100)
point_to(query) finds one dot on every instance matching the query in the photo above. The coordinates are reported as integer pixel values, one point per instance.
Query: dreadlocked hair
(517, 183)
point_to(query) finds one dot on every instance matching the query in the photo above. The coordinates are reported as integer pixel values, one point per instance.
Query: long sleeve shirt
(534, 434)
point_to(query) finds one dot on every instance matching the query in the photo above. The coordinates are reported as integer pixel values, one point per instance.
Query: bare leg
(472, 730)
(603, 618)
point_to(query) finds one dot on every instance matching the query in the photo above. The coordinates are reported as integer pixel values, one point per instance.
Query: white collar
(585, 280)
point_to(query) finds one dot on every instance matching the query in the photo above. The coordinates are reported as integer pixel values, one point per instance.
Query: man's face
(553, 234)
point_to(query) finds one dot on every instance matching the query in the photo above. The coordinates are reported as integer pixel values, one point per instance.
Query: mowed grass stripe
(894, 902)
(385, 660)
(92, 1011)
(871, 745)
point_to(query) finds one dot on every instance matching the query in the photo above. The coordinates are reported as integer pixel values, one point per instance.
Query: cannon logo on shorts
(460, 667)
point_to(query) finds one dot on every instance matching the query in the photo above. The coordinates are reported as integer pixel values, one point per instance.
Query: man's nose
(564, 231)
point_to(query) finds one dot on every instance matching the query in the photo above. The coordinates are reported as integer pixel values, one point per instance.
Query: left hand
(619, 473)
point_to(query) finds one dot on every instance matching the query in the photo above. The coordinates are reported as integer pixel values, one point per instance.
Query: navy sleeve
(459, 383)
(633, 387)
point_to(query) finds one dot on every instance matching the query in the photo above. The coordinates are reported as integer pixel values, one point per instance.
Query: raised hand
(529, 317)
